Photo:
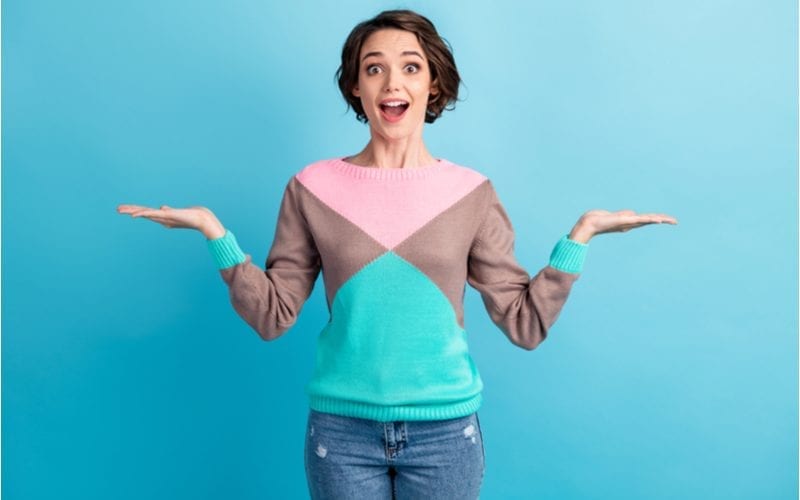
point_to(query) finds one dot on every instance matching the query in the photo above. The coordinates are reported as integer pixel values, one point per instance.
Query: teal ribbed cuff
(226, 251)
(568, 255)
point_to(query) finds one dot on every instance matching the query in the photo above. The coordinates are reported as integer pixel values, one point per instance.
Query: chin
(407, 127)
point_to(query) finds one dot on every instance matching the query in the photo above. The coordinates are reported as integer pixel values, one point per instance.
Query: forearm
(269, 301)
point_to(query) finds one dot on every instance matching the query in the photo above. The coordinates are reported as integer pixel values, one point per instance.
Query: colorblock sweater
(396, 248)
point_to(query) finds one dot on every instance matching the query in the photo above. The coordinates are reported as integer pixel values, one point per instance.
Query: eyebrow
(404, 53)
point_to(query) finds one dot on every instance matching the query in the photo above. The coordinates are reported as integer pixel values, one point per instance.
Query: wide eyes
(414, 68)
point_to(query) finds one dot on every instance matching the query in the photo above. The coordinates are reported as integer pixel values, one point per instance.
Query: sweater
(396, 248)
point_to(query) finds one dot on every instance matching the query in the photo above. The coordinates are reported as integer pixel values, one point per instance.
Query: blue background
(671, 372)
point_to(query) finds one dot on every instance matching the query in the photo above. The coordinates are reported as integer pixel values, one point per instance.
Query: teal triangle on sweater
(393, 339)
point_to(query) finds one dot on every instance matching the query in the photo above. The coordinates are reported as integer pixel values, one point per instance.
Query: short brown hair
(444, 73)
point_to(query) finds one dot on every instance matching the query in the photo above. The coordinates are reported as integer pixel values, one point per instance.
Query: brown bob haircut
(444, 73)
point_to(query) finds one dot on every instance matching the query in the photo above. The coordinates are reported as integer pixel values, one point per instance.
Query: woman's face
(394, 68)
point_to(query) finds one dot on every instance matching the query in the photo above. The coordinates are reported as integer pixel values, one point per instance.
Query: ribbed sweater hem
(394, 413)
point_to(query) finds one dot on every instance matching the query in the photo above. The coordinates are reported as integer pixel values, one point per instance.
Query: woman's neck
(392, 155)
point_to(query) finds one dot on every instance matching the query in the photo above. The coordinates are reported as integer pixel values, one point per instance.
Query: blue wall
(671, 372)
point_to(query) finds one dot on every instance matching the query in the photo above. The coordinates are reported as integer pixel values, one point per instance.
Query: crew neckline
(371, 172)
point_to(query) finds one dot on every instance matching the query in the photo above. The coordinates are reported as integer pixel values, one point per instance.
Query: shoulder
(465, 178)
(315, 169)
(481, 184)
(464, 170)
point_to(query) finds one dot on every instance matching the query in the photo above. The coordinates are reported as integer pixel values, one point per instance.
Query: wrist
(213, 229)
(580, 234)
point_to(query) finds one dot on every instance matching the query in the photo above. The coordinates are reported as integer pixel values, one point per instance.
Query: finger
(142, 212)
(668, 219)
(143, 215)
(626, 219)
(643, 223)
(161, 220)
(147, 212)
(169, 221)
(650, 218)
(627, 227)
(660, 218)
(139, 211)
(124, 209)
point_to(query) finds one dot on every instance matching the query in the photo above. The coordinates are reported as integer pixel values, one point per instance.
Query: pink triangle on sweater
(387, 208)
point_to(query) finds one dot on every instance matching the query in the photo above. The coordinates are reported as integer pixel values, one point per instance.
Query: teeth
(394, 104)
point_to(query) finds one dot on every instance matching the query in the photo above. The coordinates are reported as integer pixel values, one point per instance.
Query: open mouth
(394, 113)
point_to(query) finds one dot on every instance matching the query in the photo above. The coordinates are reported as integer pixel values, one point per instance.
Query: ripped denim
(354, 458)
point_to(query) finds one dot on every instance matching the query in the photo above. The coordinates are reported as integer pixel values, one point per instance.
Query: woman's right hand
(199, 218)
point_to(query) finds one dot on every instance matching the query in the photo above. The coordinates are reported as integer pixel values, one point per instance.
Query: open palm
(199, 218)
(603, 221)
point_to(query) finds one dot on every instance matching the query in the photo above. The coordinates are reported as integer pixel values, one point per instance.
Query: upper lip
(393, 99)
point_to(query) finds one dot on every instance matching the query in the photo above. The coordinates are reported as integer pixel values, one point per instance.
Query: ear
(434, 88)
(356, 92)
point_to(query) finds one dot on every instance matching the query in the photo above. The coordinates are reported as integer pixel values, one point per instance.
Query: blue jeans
(349, 458)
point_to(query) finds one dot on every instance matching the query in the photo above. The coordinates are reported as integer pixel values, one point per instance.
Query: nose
(392, 80)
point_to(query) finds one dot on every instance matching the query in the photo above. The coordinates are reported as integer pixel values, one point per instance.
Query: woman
(397, 233)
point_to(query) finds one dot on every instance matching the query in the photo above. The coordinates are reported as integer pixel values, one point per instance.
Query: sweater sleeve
(270, 300)
(523, 308)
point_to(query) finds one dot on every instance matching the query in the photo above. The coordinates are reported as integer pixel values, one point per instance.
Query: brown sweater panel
(270, 301)
(524, 308)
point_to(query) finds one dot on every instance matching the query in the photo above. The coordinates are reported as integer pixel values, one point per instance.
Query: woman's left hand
(596, 222)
